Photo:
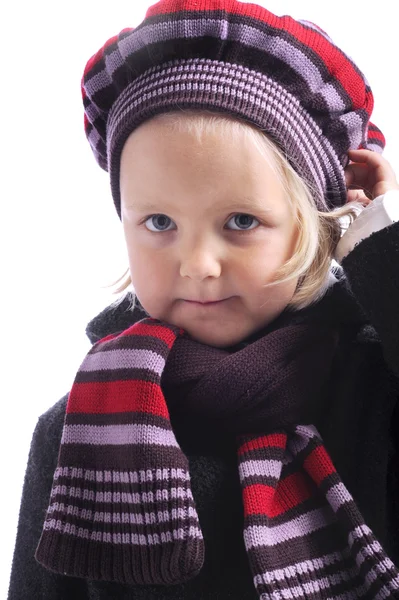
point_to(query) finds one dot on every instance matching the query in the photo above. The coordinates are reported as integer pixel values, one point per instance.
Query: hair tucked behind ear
(318, 232)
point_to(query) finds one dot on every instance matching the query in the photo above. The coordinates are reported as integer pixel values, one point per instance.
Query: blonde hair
(318, 232)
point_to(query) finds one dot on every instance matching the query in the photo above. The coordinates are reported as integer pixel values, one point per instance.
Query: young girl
(233, 431)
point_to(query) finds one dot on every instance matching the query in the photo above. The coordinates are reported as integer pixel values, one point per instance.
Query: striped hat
(287, 77)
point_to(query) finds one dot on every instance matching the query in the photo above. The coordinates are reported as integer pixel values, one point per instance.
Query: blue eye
(162, 219)
(245, 221)
(240, 220)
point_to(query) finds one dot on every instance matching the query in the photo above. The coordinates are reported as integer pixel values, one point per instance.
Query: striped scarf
(121, 506)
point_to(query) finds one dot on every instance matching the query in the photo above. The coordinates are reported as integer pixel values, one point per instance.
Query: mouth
(213, 303)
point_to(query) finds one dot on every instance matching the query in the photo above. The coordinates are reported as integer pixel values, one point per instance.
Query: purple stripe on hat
(354, 127)
(263, 535)
(99, 81)
(134, 539)
(124, 359)
(275, 45)
(113, 61)
(122, 476)
(166, 494)
(375, 147)
(93, 112)
(118, 435)
(95, 137)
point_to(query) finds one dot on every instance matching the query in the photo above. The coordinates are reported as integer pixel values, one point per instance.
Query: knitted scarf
(121, 507)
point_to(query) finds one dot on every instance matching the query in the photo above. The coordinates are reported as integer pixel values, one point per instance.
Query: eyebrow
(244, 202)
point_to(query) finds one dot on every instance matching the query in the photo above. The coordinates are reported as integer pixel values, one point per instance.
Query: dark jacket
(360, 429)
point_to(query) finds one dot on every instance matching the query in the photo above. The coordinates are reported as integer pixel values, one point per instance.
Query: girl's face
(204, 223)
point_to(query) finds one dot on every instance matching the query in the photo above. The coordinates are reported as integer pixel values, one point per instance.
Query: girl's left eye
(245, 219)
(240, 220)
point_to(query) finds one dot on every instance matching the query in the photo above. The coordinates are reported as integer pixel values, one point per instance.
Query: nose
(199, 261)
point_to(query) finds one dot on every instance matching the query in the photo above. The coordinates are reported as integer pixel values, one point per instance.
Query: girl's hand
(370, 172)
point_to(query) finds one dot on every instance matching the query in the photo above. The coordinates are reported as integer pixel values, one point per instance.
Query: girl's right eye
(163, 221)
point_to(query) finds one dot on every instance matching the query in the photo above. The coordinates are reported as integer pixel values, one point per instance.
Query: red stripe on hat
(265, 500)
(117, 397)
(375, 135)
(374, 127)
(344, 72)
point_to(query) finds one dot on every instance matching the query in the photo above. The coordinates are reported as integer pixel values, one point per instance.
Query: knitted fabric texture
(121, 507)
(284, 76)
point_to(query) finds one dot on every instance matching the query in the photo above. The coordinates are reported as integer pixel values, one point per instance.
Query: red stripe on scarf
(117, 397)
(265, 500)
(318, 464)
(273, 440)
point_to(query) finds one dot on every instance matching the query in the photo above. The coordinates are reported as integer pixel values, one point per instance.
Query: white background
(61, 239)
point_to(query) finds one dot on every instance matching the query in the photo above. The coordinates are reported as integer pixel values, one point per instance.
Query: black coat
(360, 430)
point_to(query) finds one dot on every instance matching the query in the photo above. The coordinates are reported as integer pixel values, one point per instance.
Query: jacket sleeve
(29, 580)
(372, 272)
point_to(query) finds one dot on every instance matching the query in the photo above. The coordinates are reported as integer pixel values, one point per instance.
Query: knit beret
(284, 76)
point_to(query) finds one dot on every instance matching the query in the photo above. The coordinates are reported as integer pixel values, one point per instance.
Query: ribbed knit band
(284, 76)
(202, 83)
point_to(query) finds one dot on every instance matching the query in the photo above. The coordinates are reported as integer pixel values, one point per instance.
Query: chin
(217, 341)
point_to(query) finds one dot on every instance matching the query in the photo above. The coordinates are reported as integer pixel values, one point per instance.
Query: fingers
(373, 162)
(357, 174)
(370, 172)
(358, 196)
(367, 156)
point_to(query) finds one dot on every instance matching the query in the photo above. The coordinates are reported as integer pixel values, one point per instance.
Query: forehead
(169, 168)
(155, 150)
(225, 140)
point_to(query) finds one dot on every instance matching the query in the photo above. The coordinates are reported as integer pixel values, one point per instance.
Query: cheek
(262, 261)
(149, 278)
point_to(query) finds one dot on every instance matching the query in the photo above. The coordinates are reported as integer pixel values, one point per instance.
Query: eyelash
(240, 231)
